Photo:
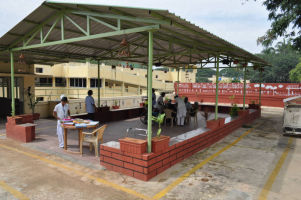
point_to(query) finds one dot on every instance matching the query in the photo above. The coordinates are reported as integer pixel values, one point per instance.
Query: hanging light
(123, 42)
(21, 62)
(125, 52)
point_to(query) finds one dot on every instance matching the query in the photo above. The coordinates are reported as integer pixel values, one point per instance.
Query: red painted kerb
(145, 166)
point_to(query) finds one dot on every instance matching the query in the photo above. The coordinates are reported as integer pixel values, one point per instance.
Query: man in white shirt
(60, 112)
(181, 111)
(90, 105)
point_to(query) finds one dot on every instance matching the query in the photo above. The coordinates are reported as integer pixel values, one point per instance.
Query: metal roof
(177, 42)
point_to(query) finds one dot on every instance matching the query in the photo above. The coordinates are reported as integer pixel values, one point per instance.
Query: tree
(283, 58)
(202, 75)
(295, 74)
(232, 73)
(285, 16)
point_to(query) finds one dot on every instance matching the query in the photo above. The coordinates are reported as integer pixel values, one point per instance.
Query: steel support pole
(98, 83)
(178, 82)
(244, 103)
(216, 88)
(260, 80)
(149, 91)
(12, 77)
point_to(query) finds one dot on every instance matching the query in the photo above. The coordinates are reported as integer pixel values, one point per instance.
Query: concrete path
(255, 162)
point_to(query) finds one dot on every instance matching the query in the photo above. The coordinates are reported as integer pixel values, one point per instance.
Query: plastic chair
(168, 115)
(187, 118)
(194, 115)
(94, 139)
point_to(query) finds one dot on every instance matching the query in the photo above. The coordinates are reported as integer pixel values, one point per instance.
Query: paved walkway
(255, 162)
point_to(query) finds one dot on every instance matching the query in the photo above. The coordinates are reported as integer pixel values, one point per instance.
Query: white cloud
(237, 22)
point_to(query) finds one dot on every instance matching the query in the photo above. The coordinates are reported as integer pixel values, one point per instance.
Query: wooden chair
(168, 115)
(94, 139)
(194, 115)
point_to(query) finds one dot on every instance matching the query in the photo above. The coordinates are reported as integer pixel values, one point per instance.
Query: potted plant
(160, 142)
(32, 103)
(115, 105)
(141, 104)
(166, 100)
(253, 105)
(234, 110)
(133, 145)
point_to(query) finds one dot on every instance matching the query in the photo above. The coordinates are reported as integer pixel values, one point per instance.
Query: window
(40, 98)
(43, 82)
(78, 82)
(157, 76)
(94, 82)
(39, 70)
(60, 82)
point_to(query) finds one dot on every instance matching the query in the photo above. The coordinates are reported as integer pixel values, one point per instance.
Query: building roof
(177, 42)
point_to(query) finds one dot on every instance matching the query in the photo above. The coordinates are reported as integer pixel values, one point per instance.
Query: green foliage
(295, 74)
(234, 110)
(285, 16)
(159, 120)
(32, 101)
(283, 59)
(232, 73)
(202, 75)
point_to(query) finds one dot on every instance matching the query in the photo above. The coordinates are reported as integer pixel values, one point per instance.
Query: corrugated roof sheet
(183, 35)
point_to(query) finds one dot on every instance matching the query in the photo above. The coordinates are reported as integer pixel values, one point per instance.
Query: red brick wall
(147, 165)
(20, 133)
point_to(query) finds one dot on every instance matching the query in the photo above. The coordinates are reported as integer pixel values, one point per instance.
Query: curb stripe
(100, 180)
(198, 166)
(12, 191)
(268, 185)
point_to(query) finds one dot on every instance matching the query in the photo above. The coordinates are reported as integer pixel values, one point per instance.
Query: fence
(272, 94)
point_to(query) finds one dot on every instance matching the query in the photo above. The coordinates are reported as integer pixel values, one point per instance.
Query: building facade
(75, 79)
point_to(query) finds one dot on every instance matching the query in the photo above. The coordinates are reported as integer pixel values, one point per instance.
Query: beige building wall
(119, 81)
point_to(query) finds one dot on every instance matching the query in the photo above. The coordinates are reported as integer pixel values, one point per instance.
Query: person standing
(153, 97)
(188, 104)
(90, 105)
(181, 111)
(160, 102)
(61, 111)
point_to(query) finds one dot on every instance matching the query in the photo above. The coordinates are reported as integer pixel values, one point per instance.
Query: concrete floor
(237, 167)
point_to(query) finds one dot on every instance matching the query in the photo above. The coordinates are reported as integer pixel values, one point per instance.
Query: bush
(234, 110)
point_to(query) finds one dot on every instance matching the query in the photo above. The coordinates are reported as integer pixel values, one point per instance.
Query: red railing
(272, 93)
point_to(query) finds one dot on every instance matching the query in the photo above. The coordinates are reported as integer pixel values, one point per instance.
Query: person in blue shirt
(90, 105)
(154, 97)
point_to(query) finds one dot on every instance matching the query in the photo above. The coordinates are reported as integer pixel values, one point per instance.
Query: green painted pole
(260, 79)
(178, 83)
(12, 77)
(244, 104)
(98, 83)
(149, 91)
(216, 88)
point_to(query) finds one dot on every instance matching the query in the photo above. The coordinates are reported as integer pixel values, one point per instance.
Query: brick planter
(243, 113)
(20, 128)
(221, 122)
(145, 166)
(36, 116)
(213, 124)
(254, 106)
(132, 145)
(159, 144)
(115, 107)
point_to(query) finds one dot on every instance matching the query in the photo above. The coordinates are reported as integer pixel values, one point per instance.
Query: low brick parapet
(145, 166)
(21, 128)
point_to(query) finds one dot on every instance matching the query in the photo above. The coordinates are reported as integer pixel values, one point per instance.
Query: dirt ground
(254, 162)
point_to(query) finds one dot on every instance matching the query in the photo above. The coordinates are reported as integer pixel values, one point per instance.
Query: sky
(236, 21)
